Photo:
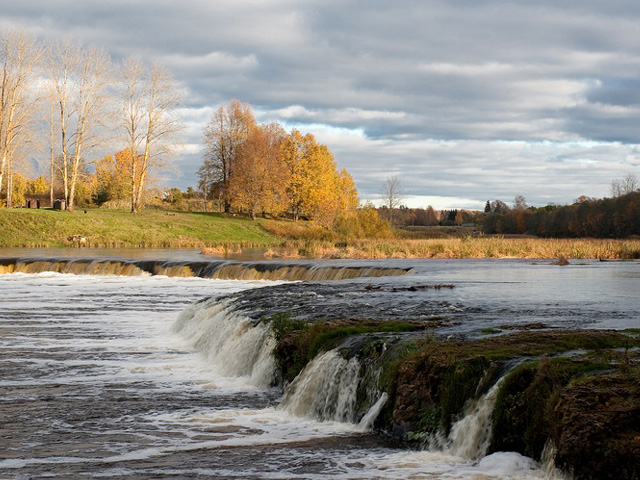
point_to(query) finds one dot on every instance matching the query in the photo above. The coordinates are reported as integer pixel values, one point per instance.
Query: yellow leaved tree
(260, 176)
(316, 189)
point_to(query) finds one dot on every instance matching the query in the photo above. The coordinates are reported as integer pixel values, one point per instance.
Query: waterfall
(220, 269)
(470, 436)
(325, 390)
(367, 421)
(232, 342)
(548, 465)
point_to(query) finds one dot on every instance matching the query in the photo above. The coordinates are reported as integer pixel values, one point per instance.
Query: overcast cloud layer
(466, 101)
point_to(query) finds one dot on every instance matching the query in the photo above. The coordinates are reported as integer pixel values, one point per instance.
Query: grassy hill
(150, 228)
(215, 233)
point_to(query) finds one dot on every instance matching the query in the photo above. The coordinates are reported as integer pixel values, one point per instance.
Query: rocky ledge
(574, 395)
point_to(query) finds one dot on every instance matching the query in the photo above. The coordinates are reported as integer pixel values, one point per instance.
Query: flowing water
(126, 377)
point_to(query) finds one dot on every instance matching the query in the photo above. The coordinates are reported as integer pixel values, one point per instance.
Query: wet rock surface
(576, 389)
(414, 300)
(597, 427)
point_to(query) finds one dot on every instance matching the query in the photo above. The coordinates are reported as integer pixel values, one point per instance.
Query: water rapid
(125, 377)
(326, 389)
(238, 346)
(234, 344)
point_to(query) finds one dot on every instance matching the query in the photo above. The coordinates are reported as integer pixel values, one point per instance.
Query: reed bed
(456, 248)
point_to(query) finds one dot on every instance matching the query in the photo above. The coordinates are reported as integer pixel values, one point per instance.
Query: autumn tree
(347, 192)
(113, 177)
(294, 151)
(315, 187)
(260, 176)
(320, 188)
(223, 136)
(331, 194)
(37, 186)
(311, 174)
(19, 56)
(148, 121)
(431, 216)
(260, 168)
(78, 79)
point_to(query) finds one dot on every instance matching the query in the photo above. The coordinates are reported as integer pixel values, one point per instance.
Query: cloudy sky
(464, 100)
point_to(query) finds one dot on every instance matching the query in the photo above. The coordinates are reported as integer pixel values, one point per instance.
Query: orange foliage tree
(114, 176)
(262, 169)
(260, 176)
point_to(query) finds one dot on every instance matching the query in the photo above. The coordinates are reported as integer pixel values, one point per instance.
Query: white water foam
(230, 341)
(366, 423)
(325, 390)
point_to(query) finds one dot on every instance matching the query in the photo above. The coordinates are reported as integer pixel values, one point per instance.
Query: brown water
(95, 381)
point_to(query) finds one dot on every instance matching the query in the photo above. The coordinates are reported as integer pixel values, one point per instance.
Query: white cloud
(466, 102)
(215, 60)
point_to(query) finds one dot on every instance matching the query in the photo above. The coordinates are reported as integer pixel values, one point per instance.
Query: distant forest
(616, 217)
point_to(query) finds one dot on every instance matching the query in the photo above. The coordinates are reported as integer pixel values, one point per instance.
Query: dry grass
(218, 250)
(467, 247)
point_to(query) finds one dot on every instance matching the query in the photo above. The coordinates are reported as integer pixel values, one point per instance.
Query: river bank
(223, 236)
(151, 228)
(459, 248)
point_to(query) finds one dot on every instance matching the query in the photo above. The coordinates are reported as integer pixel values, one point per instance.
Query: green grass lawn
(150, 228)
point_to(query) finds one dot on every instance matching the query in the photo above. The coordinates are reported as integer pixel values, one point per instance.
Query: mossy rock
(596, 427)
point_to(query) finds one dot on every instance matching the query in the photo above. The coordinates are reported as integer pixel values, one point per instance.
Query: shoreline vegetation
(463, 248)
(223, 235)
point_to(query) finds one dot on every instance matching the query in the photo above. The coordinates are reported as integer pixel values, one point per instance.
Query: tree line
(64, 101)
(263, 170)
(617, 216)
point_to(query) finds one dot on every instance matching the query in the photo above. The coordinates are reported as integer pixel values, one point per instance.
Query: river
(96, 381)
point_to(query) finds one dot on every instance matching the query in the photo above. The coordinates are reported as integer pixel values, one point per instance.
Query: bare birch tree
(19, 55)
(91, 100)
(392, 195)
(63, 59)
(52, 149)
(149, 123)
(628, 184)
(79, 78)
